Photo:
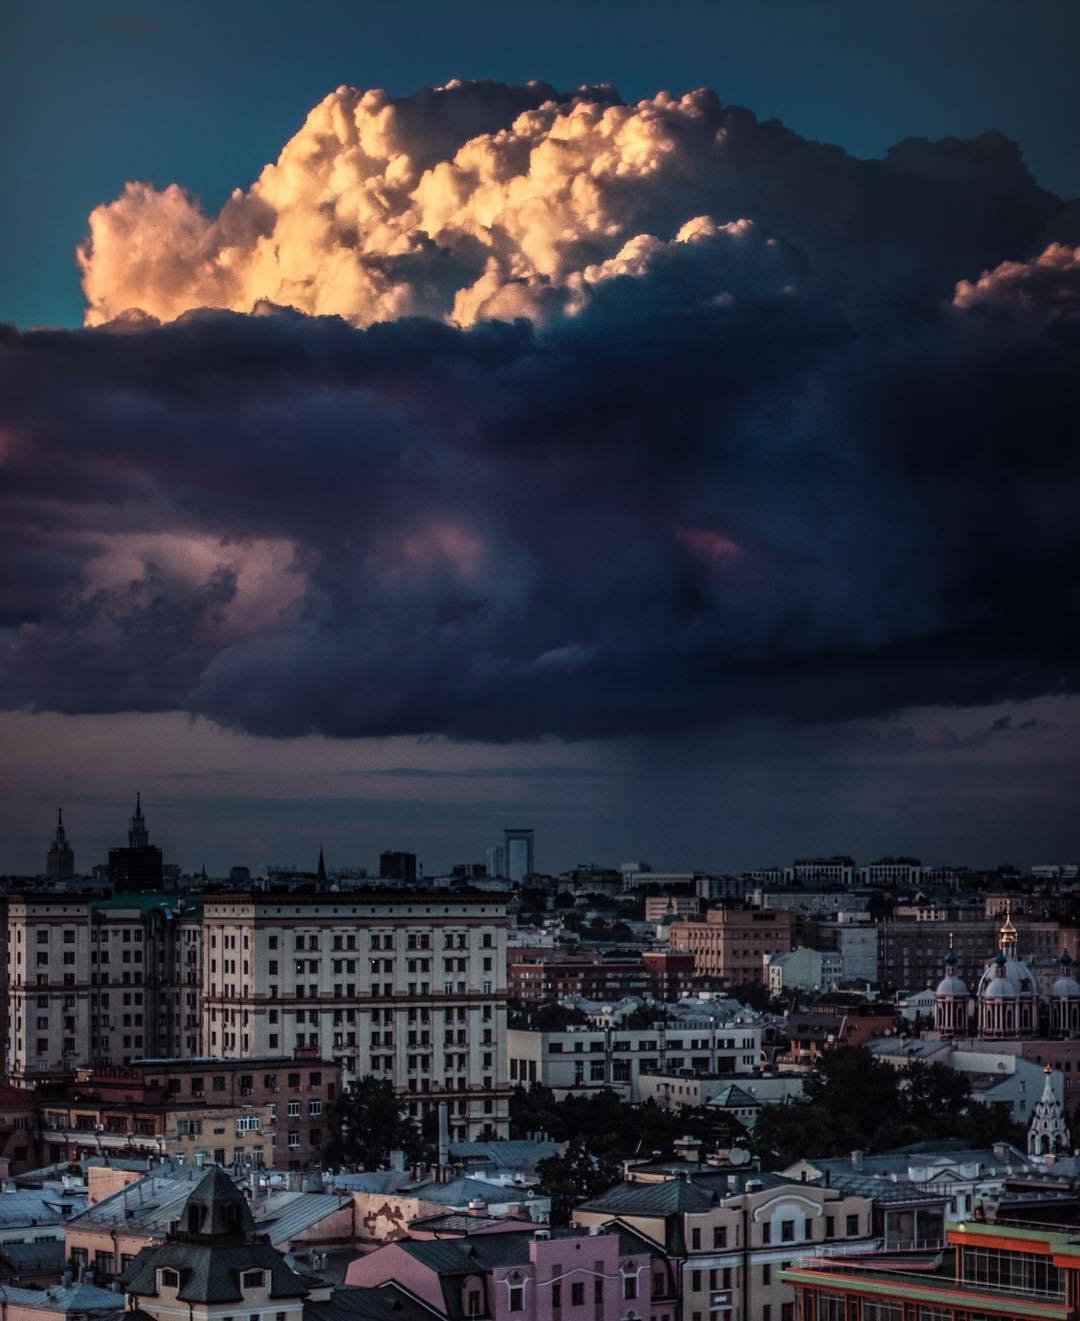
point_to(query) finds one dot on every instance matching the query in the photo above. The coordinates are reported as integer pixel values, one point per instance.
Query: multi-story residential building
(910, 950)
(894, 873)
(274, 1111)
(580, 1059)
(408, 986)
(659, 906)
(731, 943)
(730, 1234)
(1025, 1273)
(724, 889)
(803, 969)
(94, 980)
(526, 1275)
(670, 973)
(838, 870)
(589, 975)
(158, 1128)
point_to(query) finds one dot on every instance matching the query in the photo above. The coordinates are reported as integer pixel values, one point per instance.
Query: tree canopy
(369, 1123)
(572, 1178)
(854, 1101)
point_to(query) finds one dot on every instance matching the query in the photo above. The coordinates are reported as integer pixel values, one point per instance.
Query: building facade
(580, 1059)
(731, 943)
(410, 987)
(99, 981)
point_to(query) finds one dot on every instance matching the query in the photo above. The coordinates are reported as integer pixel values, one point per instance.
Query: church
(1010, 1003)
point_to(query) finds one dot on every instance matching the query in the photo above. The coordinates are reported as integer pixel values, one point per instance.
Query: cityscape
(379, 1077)
(540, 661)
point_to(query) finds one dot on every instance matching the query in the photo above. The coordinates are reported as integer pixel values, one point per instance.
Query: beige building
(729, 1234)
(731, 943)
(405, 986)
(94, 980)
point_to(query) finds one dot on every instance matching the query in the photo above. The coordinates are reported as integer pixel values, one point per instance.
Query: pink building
(538, 1275)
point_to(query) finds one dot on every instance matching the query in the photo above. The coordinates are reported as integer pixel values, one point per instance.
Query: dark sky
(756, 536)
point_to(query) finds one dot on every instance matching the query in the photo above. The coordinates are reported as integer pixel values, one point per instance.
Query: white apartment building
(99, 981)
(803, 969)
(821, 871)
(408, 986)
(582, 1059)
(892, 872)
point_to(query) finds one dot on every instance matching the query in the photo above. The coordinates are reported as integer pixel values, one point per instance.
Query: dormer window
(252, 1279)
(170, 1279)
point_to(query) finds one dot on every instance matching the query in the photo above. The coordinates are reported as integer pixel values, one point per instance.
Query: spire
(138, 835)
(322, 867)
(1048, 1135)
(1008, 931)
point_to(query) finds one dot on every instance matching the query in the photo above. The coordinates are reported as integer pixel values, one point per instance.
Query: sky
(623, 463)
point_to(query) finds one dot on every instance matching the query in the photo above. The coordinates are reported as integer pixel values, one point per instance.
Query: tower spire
(322, 867)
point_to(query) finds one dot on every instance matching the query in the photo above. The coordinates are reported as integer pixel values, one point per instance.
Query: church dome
(1066, 987)
(999, 988)
(951, 986)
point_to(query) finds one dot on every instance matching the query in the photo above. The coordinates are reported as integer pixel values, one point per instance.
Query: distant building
(838, 870)
(583, 1059)
(803, 970)
(893, 873)
(541, 981)
(60, 859)
(139, 866)
(395, 865)
(518, 847)
(730, 944)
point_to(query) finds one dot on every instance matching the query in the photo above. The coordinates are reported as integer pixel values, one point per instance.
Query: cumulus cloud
(497, 412)
(474, 201)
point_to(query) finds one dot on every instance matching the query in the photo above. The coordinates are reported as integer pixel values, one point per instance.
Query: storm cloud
(496, 413)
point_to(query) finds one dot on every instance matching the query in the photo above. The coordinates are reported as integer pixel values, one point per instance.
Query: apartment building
(96, 980)
(730, 945)
(730, 1235)
(580, 1059)
(911, 949)
(408, 986)
(659, 906)
(589, 975)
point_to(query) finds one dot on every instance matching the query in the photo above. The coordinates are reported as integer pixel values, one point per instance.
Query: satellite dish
(738, 1156)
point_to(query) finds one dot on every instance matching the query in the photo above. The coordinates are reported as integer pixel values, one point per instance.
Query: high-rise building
(100, 981)
(60, 860)
(406, 985)
(495, 859)
(518, 846)
(139, 866)
(395, 865)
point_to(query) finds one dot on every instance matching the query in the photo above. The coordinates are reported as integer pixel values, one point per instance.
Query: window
(766, 1274)
(556, 1296)
(252, 1279)
(766, 1232)
(629, 1286)
(577, 1295)
(830, 1226)
(473, 1300)
(695, 1240)
(695, 1281)
(517, 1298)
(852, 1224)
(719, 1238)
(170, 1279)
(787, 1231)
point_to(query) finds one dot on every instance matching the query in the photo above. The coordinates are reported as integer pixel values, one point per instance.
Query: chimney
(856, 1160)
(444, 1134)
(397, 1161)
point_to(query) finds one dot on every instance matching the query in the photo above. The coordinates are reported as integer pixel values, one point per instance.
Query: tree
(572, 1178)
(369, 1123)
(753, 994)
